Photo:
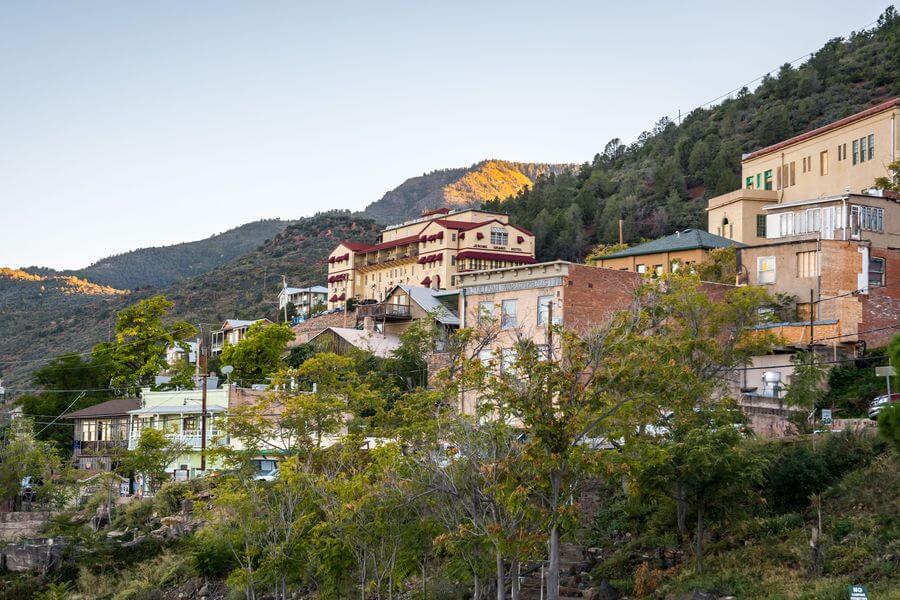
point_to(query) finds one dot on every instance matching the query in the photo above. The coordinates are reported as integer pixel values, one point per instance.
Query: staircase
(571, 583)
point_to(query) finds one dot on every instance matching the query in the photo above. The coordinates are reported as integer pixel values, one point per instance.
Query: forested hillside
(662, 181)
(458, 188)
(163, 265)
(47, 316)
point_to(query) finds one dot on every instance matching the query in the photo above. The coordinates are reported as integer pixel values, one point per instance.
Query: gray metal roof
(689, 239)
(427, 299)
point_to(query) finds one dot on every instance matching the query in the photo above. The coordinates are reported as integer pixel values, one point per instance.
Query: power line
(764, 75)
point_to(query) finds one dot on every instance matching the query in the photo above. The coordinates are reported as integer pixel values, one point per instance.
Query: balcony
(188, 439)
(98, 447)
(384, 311)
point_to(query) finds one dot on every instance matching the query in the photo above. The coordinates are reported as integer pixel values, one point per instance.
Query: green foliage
(258, 355)
(852, 385)
(21, 455)
(211, 555)
(800, 469)
(138, 352)
(151, 457)
(889, 425)
(54, 591)
(720, 266)
(65, 379)
(807, 381)
(892, 181)
(661, 182)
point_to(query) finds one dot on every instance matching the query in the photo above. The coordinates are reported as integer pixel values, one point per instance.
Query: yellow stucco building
(427, 252)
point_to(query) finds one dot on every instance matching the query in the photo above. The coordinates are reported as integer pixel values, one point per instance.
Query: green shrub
(807, 467)
(137, 513)
(210, 554)
(889, 426)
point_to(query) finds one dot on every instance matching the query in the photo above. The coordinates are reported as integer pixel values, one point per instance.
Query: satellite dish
(227, 369)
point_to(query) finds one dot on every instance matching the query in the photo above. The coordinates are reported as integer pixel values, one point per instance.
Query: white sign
(513, 286)
(826, 416)
(858, 592)
(885, 371)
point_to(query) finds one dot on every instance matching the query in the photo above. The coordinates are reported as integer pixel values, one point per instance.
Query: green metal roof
(689, 239)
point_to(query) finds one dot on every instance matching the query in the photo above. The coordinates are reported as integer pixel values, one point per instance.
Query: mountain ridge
(462, 187)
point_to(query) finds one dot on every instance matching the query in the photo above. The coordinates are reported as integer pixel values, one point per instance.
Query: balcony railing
(98, 446)
(189, 439)
(383, 310)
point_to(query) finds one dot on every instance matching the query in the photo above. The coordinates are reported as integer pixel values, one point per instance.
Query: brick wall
(882, 306)
(592, 294)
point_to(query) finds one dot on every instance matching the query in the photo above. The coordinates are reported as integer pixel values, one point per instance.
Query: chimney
(369, 324)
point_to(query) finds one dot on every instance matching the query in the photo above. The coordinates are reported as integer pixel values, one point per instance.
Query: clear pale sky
(125, 124)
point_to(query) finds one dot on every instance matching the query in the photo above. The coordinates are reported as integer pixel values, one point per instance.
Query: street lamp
(226, 371)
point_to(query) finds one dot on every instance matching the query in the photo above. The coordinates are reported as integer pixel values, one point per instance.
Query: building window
(871, 218)
(823, 162)
(499, 237)
(761, 226)
(485, 356)
(804, 165)
(767, 180)
(749, 182)
(765, 269)
(658, 270)
(544, 309)
(642, 268)
(808, 264)
(759, 181)
(509, 314)
(543, 352)
(452, 237)
(507, 359)
(485, 312)
(855, 151)
(871, 146)
(876, 271)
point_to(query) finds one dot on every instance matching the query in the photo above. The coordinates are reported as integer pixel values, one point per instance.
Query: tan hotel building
(427, 252)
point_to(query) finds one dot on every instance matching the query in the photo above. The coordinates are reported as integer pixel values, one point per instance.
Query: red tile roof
(436, 211)
(825, 128)
(519, 258)
(355, 246)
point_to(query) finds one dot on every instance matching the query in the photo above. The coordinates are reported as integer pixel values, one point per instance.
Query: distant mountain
(162, 265)
(48, 314)
(458, 188)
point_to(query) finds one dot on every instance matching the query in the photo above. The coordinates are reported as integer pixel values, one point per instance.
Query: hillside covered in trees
(49, 315)
(662, 181)
(458, 188)
(162, 265)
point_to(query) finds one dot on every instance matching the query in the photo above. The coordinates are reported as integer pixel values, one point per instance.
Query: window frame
(509, 319)
(879, 260)
(485, 316)
(767, 280)
(543, 308)
(761, 226)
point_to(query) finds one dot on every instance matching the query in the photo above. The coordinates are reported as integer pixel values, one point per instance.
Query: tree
(258, 355)
(22, 455)
(151, 457)
(702, 464)
(892, 181)
(720, 266)
(70, 383)
(142, 336)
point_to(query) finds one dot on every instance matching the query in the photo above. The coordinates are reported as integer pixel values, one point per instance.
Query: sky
(125, 125)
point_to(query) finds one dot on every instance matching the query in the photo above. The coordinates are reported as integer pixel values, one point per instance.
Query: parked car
(880, 402)
(267, 475)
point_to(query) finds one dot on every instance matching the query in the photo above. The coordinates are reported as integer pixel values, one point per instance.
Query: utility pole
(284, 291)
(812, 312)
(201, 358)
(621, 237)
